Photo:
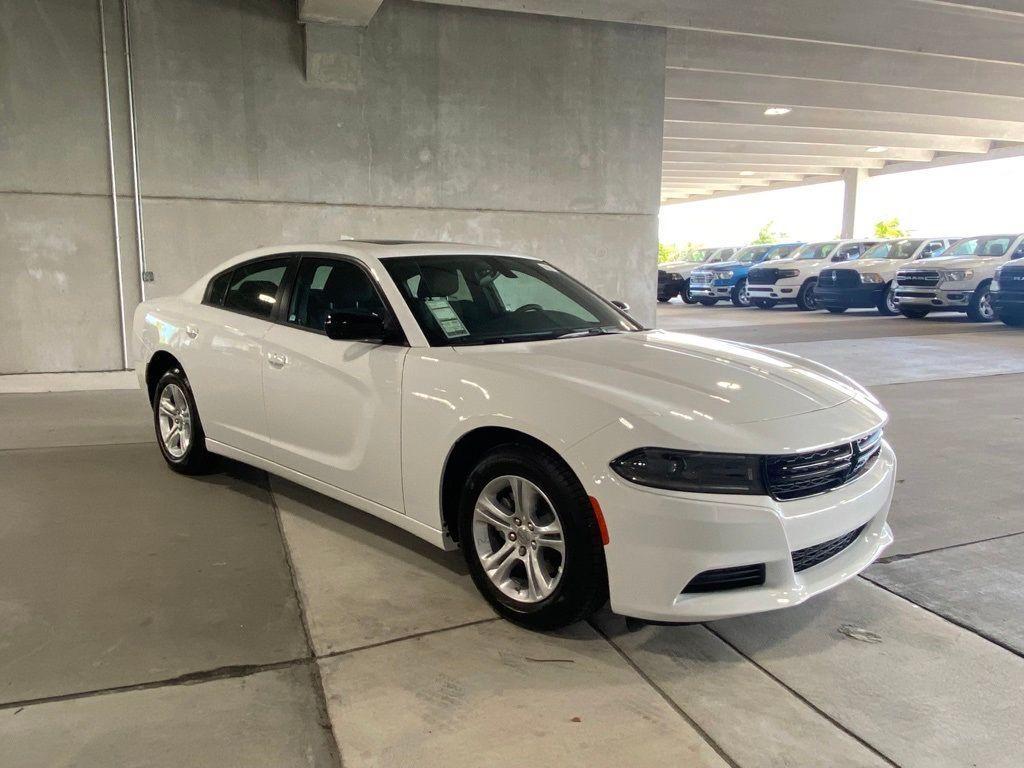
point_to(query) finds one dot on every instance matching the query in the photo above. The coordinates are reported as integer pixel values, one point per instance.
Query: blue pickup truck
(728, 280)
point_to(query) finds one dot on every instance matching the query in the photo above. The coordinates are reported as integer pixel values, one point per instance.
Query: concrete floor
(151, 619)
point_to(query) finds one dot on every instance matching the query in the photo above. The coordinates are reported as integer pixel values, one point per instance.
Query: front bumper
(1009, 302)
(781, 291)
(934, 298)
(660, 540)
(860, 297)
(711, 291)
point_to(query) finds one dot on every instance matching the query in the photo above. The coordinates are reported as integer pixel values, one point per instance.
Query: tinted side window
(217, 288)
(935, 246)
(325, 285)
(1019, 252)
(254, 287)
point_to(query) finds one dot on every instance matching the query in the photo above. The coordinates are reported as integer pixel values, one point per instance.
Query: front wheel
(740, 297)
(662, 301)
(980, 309)
(708, 302)
(179, 432)
(807, 299)
(531, 540)
(914, 313)
(685, 294)
(887, 301)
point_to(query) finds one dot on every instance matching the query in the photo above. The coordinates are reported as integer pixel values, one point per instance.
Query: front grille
(1011, 280)
(700, 278)
(918, 278)
(763, 276)
(807, 474)
(721, 579)
(839, 278)
(808, 557)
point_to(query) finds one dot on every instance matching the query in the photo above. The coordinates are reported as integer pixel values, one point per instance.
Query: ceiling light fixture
(877, 149)
(773, 111)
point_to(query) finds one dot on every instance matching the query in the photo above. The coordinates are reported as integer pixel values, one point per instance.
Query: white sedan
(488, 401)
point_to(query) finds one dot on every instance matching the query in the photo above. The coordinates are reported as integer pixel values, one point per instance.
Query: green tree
(667, 252)
(889, 228)
(766, 235)
(673, 252)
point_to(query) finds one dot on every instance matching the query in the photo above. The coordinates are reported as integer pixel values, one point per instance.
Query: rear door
(225, 361)
(334, 407)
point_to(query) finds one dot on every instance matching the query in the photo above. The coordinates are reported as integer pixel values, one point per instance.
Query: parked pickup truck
(960, 280)
(868, 281)
(795, 279)
(728, 280)
(1007, 291)
(674, 277)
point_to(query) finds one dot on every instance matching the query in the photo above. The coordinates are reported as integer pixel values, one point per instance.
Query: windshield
(498, 299)
(896, 249)
(751, 253)
(814, 250)
(702, 255)
(993, 245)
(722, 254)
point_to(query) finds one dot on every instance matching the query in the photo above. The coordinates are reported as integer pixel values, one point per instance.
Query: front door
(334, 407)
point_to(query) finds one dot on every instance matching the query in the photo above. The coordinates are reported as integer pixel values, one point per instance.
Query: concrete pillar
(852, 178)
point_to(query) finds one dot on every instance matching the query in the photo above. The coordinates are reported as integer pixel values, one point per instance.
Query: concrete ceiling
(883, 85)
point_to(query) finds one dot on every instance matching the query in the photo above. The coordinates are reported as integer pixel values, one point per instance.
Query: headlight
(724, 274)
(871, 277)
(788, 272)
(956, 275)
(694, 471)
(994, 285)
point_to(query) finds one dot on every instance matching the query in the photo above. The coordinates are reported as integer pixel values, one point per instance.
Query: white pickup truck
(959, 280)
(794, 279)
(870, 280)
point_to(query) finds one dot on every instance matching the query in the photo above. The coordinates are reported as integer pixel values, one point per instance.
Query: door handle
(277, 360)
(191, 331)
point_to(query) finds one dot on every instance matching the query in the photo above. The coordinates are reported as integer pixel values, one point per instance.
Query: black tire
(740, 297)
(663, 301)
(764, 303)
(837, 310)
(887, 305)
(806, 299)
(980, 308)
(685, 294)
(708, 302)
(195, 460)
(1016, 319)
(914, 313)
(583, 586)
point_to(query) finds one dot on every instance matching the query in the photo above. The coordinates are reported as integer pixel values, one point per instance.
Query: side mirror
(356, 326)
(621, 305)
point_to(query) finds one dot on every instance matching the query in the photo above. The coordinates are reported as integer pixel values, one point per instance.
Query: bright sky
(958, 200)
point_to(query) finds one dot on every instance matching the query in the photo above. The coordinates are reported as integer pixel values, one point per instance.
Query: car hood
(659, 373)
(864, 265)
(957, 262)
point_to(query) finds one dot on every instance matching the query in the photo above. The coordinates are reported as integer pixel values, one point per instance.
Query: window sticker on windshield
(450, 323)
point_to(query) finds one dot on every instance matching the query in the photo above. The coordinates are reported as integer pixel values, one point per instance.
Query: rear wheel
(179, 432)
(764, 303)
(887, 301)
(807, 300)
(740, 297)
(685, 294)
(530, 539)
(914, 313)
(836, 310)
(980, 310)
(708, 302)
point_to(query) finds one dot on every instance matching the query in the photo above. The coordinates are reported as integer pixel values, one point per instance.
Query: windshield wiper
(588, 332)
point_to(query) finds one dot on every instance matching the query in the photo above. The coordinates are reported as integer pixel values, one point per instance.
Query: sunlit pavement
(240, 620)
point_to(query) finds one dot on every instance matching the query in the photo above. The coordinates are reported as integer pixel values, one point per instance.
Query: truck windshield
(751, 253)
(459, 300)
(814, 250)
(993, 245)
(896, 249)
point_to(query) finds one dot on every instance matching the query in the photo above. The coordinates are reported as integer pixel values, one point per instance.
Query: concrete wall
(535, 133)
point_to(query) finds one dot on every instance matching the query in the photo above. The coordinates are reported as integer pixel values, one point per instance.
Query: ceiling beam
(800, 92)
(726, 176)
(955, 29)
(792, 148)
(831, 136)
(345, 13)
(743, 160)
(747, 54)
(803, 170)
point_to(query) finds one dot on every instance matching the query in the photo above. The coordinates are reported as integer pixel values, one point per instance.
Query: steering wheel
(529, 308)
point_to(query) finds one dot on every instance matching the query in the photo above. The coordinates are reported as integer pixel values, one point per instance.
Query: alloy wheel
(890, 301)
(985, 308)
(518, 539)
(175, 421)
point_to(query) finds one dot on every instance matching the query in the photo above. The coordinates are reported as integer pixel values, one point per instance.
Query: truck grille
(763, 276)
(700, 278)
(923, 278)
(808, 557)
(807, 474)
(1011, 280)
(839, 278)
